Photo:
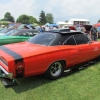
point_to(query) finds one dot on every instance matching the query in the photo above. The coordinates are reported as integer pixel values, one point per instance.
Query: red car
(48, 53)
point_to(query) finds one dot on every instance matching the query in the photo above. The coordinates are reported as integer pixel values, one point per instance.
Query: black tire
(55, 70)
(98, 58)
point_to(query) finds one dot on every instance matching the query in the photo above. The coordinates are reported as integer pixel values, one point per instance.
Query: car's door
(85, 50)
(95, 49)
(81, 50)
(24, 36)
(32, 33)
(73, 52)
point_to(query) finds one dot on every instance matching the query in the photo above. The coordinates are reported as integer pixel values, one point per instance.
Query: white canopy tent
(79, 21)
(64, 23)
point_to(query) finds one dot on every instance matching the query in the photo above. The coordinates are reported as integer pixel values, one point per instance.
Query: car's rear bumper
(5, 74)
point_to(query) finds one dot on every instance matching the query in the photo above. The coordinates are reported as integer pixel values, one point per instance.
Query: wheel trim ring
(57, 69)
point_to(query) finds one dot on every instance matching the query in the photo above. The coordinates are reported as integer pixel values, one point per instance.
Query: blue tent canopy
(51, 25)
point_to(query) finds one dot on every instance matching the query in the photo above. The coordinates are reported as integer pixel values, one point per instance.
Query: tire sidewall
(50, 76)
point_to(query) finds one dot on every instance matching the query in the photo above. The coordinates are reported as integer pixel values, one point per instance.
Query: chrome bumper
(5, 74)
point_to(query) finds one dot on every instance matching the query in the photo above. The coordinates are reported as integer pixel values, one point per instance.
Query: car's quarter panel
(38, 62)
(10, 66)
(39, 58)
(17, 59)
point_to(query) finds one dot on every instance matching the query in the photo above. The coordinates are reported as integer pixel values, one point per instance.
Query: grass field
(81, 85)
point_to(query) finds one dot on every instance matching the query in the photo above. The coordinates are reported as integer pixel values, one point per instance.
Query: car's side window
(70, 41)
(80, 39)
(24, 34)
(30, 33)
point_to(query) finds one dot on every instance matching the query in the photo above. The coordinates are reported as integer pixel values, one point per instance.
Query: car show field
(49, 50)
(80, 84)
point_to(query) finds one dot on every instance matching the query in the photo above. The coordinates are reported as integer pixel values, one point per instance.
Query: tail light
(19, 68)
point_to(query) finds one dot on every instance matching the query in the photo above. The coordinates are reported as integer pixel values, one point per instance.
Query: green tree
(8, 17)
(2, 20)
(49, 18)
(42, 18)
(66, 21)
(98, 20)
(33, 20)
(24, 19)
(4, 23)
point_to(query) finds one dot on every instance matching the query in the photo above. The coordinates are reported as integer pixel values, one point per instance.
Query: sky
(61, 10)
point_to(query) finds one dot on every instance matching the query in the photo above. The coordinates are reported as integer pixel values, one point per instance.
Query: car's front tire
(55, 70)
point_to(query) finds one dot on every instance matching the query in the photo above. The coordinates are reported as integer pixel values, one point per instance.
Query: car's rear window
(42, 38)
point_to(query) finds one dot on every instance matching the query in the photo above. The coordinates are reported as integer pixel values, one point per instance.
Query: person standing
(47, 28)
(94, 33)
(40, 29)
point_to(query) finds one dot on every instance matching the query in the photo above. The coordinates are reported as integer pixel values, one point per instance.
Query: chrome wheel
(56, 69)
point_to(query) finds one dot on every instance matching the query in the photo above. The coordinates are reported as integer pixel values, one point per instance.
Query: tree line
(26, 19)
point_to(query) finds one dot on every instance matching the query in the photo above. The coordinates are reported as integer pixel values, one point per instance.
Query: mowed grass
(81, 85)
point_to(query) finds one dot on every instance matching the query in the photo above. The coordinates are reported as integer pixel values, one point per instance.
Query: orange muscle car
(48, 53)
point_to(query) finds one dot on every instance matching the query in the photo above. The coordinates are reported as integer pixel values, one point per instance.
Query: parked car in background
(87, 28)
(69, 27)
(1, 28)
(48, 53)
(5, 30)
(17, 35)
(26, 26)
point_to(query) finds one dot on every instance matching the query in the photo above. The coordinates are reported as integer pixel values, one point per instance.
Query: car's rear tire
(98, 58)
(55, 70)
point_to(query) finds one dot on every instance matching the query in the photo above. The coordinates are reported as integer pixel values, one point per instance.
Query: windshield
(4, 30)
(42, 38)
(10, 32)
